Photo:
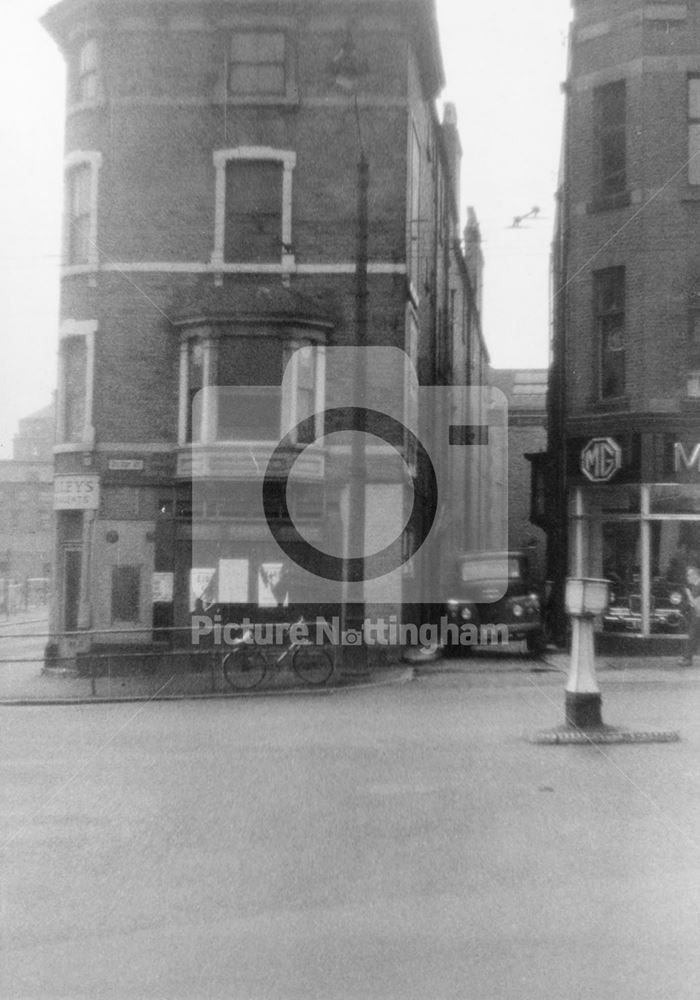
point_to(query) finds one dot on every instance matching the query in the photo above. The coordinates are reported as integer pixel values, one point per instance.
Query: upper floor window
(87, 81)
(79, 213)
(610, 137)
(414, 211)
(248, 401)
(609, 308)
(253, 213)
(253, 226)
(74, 370)
(694, 129)
(257, 64)
(76, 361)
(81, 208)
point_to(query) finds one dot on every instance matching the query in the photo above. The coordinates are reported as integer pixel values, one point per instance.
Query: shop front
(634, 519)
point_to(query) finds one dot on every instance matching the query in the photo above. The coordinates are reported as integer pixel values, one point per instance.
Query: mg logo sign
(601, 459)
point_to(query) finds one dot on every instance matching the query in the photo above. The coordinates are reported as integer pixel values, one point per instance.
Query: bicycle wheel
(244, 669)
(312, 664)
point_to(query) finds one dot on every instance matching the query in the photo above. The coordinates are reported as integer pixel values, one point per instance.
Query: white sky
(504, 63)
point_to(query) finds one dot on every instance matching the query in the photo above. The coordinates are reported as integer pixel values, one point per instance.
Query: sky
(504, 64)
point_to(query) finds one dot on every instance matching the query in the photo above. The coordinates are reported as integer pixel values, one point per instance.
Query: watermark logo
(349, 482)
(212, 630)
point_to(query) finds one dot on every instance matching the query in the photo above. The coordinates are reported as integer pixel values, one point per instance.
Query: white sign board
(162, 587)
(233, 581)
(126, 465)
(76, 493)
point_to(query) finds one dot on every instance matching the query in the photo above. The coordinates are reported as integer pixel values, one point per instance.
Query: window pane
(257, 47)
(80, 185)
(694, 97)
(610, 104)
(253, 211)
(247, 78)
(88, 87)
(79, 243)
(609, 298)
(609, 112)
(613, 373)
(79, 217)
(612, 162)
(249, 414)
(250, 361)
(612, 330)
(694, 154)
(676, 498)
(74, 378)
(88, 57)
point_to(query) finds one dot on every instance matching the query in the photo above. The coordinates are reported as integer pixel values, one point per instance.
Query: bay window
(232, 384)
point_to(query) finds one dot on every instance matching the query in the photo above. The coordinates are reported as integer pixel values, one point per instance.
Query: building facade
(26, 517)
(624, 479)
(249, 188)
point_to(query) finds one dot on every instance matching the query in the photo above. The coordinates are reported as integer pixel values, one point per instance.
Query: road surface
(399, 842)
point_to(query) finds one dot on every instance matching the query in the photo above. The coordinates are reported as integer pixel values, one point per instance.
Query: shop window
(694, 130)
(257, 64)
(609, 307)
(610, 138)
(126, 593)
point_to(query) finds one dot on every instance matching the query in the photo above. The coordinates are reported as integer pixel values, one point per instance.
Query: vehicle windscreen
(474, 570)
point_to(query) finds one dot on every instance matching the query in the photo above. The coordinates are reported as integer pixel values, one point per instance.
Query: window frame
(89, 47)
(604, 133)
(207, 432)
(74, 330)
(600, 315)
(693, 129)
(255, 94)
(290, 94)
(91, 161)
(222, 157)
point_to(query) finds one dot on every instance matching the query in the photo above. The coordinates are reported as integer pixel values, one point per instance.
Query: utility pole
(353, 612)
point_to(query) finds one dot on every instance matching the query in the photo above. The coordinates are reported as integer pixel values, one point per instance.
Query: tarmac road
(395, 842)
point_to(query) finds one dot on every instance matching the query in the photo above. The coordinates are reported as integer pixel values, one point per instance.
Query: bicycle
(246, 666)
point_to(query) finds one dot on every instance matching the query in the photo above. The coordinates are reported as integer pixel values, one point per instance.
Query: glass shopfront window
(642, 540)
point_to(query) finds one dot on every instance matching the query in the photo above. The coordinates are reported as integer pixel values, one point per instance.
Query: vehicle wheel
(244, 669)
(313, 664)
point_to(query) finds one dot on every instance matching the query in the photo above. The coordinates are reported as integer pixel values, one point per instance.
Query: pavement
(23, 679)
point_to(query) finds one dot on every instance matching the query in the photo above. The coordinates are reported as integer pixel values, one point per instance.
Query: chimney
(473, 254)
(453, 147)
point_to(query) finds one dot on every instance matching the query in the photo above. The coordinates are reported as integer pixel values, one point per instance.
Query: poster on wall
(200, 579)
(162, 587)
(233, 581)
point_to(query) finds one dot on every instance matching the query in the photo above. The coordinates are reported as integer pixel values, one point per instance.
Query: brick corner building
(214, 233)
(624, 475)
